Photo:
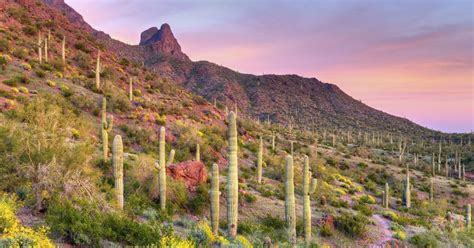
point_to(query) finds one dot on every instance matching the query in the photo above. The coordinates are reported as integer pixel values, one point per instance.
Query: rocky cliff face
(304, 102)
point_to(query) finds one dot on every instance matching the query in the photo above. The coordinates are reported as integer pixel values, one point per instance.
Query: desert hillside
(100, 150)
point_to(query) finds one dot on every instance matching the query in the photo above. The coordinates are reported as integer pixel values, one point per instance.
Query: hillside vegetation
(99, 151)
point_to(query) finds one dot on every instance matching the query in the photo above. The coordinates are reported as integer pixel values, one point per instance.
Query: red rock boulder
(192, 173)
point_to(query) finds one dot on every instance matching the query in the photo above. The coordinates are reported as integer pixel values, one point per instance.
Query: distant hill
(286, 99)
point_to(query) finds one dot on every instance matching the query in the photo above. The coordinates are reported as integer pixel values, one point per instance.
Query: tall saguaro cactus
(46, 49)
(40, 48)
(106, 126)
(290, 215)
(198, 153)
(117, 163)
(431, 190)
(259, 161)
(232, 177)
(407, 194)
(273, 141)
(468, 216)
(63, 50)
(162, 168)
(386, 196)
(98, 70)
(214, 195)
(309, 186)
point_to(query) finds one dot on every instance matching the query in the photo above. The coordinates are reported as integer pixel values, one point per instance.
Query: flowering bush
(13, 234)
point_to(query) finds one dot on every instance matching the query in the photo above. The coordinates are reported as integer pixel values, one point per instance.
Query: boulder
(192, 173)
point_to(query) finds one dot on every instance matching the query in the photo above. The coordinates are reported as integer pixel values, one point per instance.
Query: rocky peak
(162, 41)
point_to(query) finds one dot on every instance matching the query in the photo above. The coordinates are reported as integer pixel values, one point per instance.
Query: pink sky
(413, 59)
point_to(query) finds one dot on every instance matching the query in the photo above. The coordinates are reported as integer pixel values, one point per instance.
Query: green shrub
(426, 239)
(4, 45)
(86, 225)
(201, 201)
(20, 53)
(4, 60)
(23, 79)
(40, 73)
(81, 46)
(352, 225)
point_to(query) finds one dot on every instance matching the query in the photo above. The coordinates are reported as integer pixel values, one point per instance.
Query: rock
(161, 41)
(192, 173)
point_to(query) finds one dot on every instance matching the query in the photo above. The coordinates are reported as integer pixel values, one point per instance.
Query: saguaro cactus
(106, 126)
(309, 186)
(198, 153)
(63, 50)
(98, 70)
(402, 145)
(117, 164)
(273, 141)
(214, 195)
(45, 50)
(162, 168)
(433, 172)
(468, 216)
(386, 196)
(407, 196)
(431, 190)
(290, 215)
(232, 177)
(40, 48)
(259, 161)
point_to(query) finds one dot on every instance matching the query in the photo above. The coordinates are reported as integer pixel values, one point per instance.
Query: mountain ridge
(315, 104)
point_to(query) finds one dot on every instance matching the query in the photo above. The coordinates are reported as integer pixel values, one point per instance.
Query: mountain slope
(286, 99)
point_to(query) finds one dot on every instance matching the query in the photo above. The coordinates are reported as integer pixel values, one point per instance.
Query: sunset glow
(413, 59)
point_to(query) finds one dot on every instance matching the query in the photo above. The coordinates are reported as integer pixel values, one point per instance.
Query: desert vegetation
(98, 151)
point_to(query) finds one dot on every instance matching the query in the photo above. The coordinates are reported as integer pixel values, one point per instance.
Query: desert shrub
(200, 201)
(20, 53)
(363, 208)
(81, 46)
(137, 203)
(177, 193)
(40, 73)
(4, 45)
(13, 234)
(26, 66)
(83, 60)
(426, 239)
(27, 158)
(326, 230)
(23, 89)
(124, 62)
(67, 92)
(4, 60)
(86, 225)
(352, 225)
(18, 79)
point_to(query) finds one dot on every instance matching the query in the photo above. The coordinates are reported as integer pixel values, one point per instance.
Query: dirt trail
(384, 228)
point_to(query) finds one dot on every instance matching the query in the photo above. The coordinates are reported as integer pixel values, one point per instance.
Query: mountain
(286, 99)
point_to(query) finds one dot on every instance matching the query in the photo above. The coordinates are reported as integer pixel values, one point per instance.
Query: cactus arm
(170, 157)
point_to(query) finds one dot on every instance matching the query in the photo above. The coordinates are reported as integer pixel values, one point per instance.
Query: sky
(409, 58)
